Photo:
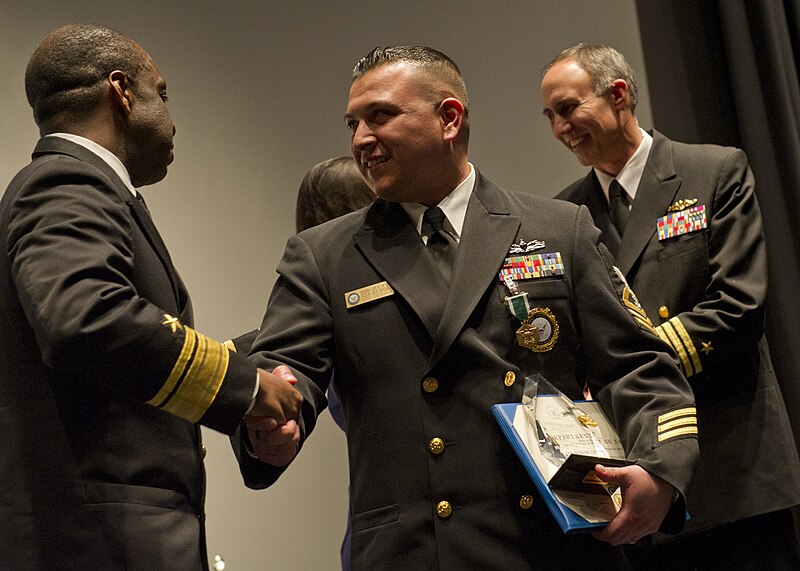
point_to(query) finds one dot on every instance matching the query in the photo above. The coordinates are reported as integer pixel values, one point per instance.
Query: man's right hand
(272, 422)
(276, 397)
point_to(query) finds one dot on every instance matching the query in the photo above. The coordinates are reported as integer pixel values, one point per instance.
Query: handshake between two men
(272, 422)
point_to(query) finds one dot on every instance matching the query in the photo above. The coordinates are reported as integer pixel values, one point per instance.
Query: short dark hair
(604, 65)
(434, 62)
(330, 189)
(65, 74)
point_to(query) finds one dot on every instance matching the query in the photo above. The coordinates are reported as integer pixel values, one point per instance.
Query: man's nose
(560, 126)
(363, 137)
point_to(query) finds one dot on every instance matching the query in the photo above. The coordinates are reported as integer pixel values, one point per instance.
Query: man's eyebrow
(546, 110)
(558, 103)
(366, 108)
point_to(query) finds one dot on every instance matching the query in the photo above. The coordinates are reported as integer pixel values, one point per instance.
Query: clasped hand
(646, 500)
(272, 422)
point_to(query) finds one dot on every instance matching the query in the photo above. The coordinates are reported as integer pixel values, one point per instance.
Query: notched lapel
(48, 145)
(657, 190)
(393, 246)
(488, 233)
(598, 207)
(150, 231)
(652, 200)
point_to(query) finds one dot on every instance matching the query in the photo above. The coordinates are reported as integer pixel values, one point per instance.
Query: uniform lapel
(591, 194)
(63, 146)
(656, 192)
(486, 237)
(390, 242)
(145, 222)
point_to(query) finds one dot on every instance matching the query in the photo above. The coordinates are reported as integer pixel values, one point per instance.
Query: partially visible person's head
(408, 115)
(589, 96)
(80, 71)
(330, 189)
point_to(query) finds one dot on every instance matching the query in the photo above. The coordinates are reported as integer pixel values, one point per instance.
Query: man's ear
(121, 93)
(451, 111)
(619, 93)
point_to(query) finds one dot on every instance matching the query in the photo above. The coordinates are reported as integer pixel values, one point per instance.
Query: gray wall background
(257, 91)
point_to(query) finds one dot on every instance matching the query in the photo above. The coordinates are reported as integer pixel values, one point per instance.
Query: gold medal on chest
(539, 331)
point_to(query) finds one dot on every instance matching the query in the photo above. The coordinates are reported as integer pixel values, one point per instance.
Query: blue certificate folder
(568, 520)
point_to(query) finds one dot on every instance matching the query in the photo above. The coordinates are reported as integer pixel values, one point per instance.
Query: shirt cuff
(253, 399)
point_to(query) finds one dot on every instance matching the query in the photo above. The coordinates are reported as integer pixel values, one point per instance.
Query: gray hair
(604, 65)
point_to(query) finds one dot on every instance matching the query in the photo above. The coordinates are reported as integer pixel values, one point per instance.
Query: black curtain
(726, 72)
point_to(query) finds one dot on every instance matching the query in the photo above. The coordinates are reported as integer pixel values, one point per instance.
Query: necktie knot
(615, 190)
(435, 217)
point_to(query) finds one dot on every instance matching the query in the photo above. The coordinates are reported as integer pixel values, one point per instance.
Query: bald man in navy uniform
(103, 380)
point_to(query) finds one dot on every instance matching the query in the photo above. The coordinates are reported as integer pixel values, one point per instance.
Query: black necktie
(440, 242)
(619, 206)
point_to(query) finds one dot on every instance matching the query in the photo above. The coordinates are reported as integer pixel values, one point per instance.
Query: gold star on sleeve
(172, 323)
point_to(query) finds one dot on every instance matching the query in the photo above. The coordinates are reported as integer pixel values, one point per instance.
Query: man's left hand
(277, 446)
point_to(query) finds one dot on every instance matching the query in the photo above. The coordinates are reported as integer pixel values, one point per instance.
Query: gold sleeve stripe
(196, 377)
(689, 410)
(663, 335)
(687, 341)
(189, 340)
(678, 432)
(229, 344)
(687, 420)
(202, 382)
(676, 343)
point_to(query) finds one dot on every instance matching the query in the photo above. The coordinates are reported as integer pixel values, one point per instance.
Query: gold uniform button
(444, 509)
(204, 451)
(510, 378)
(526, 501)
(436, 445)
(430, 385)
(663, 312)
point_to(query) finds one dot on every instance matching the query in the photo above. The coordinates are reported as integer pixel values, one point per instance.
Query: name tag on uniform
(682, 222)
(367, 294)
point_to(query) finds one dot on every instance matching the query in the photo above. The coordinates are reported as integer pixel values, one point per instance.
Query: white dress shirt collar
(631, 174)
(108, 157)
(454, 206)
